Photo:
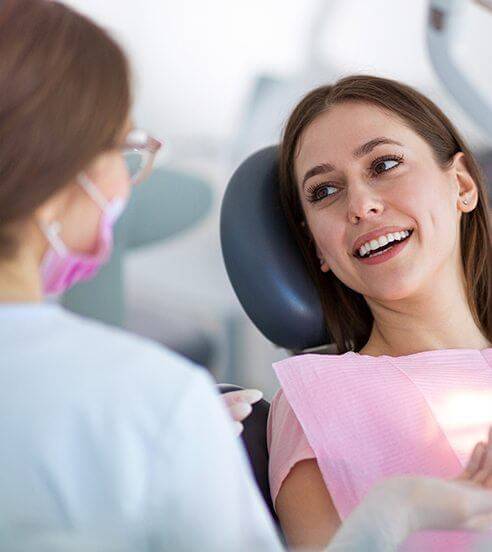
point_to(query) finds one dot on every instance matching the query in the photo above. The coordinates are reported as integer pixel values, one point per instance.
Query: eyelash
(314, 189)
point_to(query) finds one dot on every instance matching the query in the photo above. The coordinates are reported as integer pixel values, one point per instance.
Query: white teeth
(382, 241)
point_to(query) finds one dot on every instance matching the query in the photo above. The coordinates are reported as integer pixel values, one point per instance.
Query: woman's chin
(395, 290)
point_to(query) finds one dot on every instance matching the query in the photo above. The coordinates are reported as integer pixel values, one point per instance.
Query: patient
(389, 208)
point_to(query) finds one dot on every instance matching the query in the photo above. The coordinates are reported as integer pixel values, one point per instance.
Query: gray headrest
(265, 265)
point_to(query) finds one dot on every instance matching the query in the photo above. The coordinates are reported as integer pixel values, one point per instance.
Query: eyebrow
(361, 151)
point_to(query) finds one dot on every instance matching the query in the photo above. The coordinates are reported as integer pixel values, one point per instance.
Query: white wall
(196, 62)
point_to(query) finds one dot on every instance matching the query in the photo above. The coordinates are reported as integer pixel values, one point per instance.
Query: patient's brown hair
(346, 312)
(64, 99)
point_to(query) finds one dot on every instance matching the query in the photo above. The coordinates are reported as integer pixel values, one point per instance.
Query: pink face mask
(62, 268)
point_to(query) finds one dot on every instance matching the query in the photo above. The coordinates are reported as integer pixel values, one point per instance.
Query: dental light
(443, 29)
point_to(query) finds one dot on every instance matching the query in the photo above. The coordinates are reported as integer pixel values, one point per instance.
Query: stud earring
(323, 266)
(465, 202)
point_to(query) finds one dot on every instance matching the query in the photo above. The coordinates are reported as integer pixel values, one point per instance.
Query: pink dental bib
(369, 418)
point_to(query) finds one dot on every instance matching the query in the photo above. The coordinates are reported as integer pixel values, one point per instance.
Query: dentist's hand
(399, 506)
(239, 403)
(463, 503)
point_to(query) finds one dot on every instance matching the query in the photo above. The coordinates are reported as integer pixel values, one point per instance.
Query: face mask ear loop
(52, 231)
(93, 191)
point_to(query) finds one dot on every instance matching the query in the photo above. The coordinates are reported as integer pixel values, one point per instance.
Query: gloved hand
(239, 405)
(465, 502)
(399, 506)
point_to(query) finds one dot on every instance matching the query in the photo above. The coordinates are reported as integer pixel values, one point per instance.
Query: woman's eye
(321, 192)
(385, 165)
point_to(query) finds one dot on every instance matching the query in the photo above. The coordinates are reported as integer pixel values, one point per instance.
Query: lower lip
(386, 255)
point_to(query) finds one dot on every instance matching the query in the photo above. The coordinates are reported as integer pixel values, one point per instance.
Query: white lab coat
(109, 442)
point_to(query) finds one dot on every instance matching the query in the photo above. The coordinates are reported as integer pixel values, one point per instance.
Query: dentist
(100, 436)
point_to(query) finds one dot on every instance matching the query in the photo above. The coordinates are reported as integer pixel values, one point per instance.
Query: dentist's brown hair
(346, 312)
(64, 99)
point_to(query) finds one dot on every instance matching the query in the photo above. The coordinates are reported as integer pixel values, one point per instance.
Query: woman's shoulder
(279, 401)
(282, 419)
(286, 441)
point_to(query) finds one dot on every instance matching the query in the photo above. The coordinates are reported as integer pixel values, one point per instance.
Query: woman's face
(359, 170)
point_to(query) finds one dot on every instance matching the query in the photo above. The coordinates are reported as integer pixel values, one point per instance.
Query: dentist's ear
(55, 207)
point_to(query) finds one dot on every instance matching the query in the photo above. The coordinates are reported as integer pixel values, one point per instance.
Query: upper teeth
(382, 240)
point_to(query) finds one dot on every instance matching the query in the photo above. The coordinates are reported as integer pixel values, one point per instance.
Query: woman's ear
(323, 264)
(467, 188)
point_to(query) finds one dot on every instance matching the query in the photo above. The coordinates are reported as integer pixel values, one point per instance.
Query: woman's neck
(434, 320)
(408, 344)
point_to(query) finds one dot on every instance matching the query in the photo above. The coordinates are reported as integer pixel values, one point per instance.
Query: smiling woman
(368, 157)
(389, 209)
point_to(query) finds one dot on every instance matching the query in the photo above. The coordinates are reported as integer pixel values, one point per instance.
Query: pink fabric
(368, 418)
(287, 443)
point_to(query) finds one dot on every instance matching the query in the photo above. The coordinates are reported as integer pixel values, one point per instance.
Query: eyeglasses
(139, 151)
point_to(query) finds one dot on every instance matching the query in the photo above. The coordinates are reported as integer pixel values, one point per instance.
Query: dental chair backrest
(269, 276)
(264, 264)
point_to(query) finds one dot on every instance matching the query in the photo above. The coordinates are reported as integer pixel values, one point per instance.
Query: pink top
(366, 418)
(287, 443)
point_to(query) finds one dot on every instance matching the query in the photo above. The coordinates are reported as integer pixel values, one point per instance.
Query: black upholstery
(263, 262)
(254, 439)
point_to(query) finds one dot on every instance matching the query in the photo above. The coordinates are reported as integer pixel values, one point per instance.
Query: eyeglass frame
(138, 141)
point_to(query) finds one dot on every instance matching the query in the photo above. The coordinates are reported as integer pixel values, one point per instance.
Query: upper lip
(374, 234)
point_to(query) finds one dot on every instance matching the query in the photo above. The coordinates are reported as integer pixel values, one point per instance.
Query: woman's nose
(363, 203)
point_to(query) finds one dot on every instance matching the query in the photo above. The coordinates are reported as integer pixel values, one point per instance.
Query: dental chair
(268, 274)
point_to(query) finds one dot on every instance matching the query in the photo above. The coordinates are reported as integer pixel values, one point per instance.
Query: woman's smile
(386, 252)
